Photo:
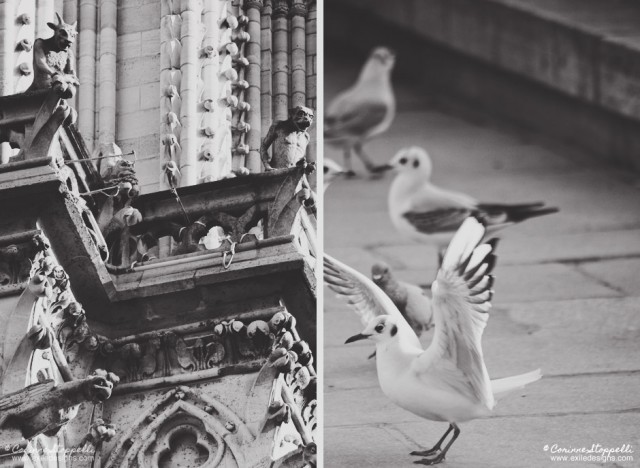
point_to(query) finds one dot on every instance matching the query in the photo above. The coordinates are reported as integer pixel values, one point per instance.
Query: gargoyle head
(64, 35)
(99, 386)
(301, 116)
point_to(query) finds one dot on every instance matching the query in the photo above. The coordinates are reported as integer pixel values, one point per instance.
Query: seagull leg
(364, 157)
(349, 172)
(436, 447)
(440, 457)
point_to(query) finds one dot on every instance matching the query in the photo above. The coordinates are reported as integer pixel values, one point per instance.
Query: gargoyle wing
(16, 402)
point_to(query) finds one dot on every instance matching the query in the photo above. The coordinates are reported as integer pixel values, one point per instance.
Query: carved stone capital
(299, 8)
(257, 4)
(280, 8)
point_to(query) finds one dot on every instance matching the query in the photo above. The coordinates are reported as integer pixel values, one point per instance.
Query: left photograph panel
(158, 246)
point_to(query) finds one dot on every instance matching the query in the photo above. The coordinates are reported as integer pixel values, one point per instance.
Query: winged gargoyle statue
(36, 409)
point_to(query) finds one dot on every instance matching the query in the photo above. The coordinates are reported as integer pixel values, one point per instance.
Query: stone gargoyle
(289, 139)
(36, 409)
(53, 60)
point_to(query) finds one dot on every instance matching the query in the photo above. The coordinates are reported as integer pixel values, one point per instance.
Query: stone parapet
(585, 51)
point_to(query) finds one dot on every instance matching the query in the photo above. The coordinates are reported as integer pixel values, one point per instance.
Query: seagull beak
(358, 337)
(385, 168)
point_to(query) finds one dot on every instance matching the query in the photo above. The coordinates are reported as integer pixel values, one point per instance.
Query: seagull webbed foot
(424, 453)
(431, 461)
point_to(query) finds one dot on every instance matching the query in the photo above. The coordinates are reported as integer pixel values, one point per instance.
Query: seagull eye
(326, 169)
(416, 163)
(379, 328)
(403, 161)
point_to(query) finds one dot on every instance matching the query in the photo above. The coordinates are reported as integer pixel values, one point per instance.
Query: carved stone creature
(16, 260)
(289, 139)
(53, 60)
(36, 409)
(99, 432)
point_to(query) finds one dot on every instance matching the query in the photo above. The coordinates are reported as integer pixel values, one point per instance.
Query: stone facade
(159, 305)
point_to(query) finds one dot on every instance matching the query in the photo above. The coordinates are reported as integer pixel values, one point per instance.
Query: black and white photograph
(319, 233)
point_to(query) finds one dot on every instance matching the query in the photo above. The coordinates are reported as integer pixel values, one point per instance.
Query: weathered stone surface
(621, 274)
(493, 443)
(517, 247)
(553, 396)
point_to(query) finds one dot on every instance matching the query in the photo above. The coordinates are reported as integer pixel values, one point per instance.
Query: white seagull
(364, 110)
(427, 213)
(448, 381)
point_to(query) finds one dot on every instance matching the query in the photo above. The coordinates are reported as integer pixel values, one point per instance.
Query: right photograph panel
(481, 233)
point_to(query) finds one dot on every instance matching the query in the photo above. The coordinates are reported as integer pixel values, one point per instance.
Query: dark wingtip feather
(493, 242)
(491, 261)
(479, 219)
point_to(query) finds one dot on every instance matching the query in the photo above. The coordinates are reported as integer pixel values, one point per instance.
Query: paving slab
(520, 247)
(621, 274)
(553, 396)
(486, 443)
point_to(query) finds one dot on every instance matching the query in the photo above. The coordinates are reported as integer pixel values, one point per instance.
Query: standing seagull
(364, 110)
(411, 300)
(448, 381)
(427, 213)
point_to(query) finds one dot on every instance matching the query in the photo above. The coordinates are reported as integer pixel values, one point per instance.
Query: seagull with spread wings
(448, 381)
(427, 213)
(364, 110)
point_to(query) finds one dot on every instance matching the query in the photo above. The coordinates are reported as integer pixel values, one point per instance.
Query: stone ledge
(588, 49)
(574, 63)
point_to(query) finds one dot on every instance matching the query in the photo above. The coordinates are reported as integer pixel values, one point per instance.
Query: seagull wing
(365, 298)
(438, 220)
(433, 210)
(461, 295)
(356, 119)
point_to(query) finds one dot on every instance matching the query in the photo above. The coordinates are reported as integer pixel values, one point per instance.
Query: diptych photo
(319, 233)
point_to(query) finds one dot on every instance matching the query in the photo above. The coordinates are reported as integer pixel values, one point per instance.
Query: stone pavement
(567, 296)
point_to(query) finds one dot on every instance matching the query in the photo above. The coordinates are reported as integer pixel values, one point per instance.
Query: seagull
(364, 110)
(331, 171)
(411, 300)
(426, 213)
(448, 381)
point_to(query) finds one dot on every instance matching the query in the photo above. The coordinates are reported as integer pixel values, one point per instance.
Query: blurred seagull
(364, 297)
(424, 212)
(364, 110)
(331, 171)
(448, 381)
(411, 300)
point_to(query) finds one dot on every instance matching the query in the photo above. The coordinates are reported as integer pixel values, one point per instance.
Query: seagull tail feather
(518, 213)
(502, 387)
